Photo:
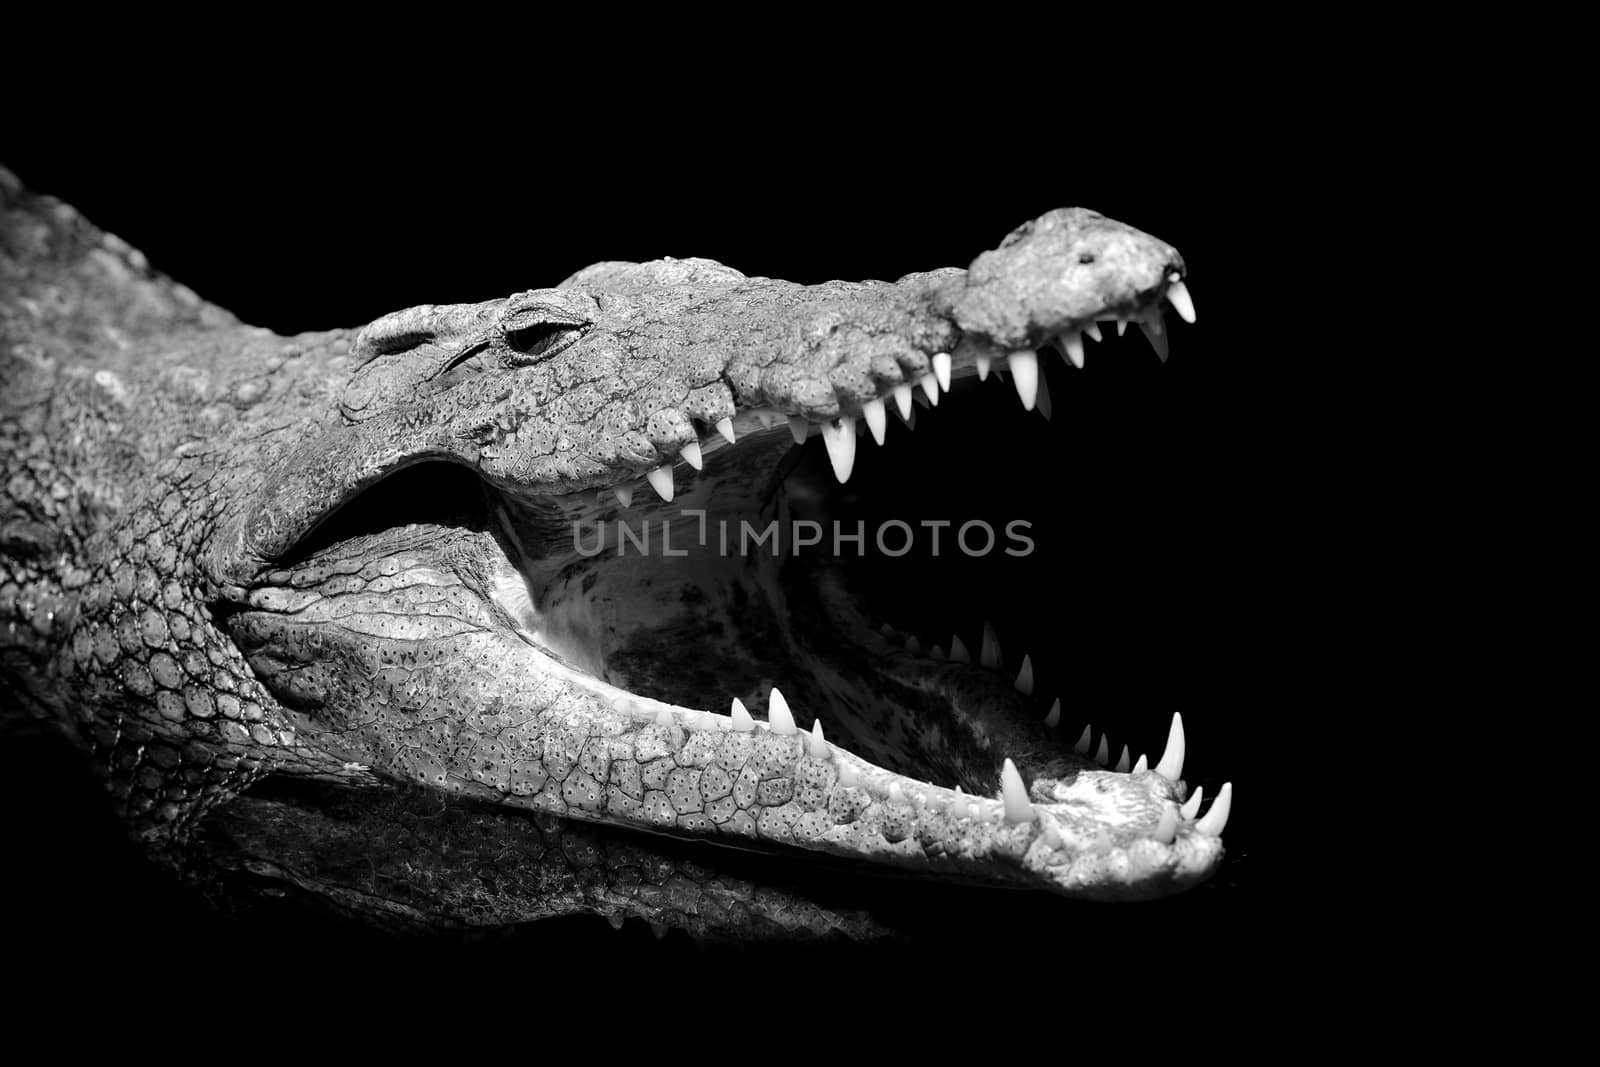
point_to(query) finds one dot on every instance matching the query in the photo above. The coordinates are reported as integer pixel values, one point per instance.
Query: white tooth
(663, 717)
(1015, 794)
(937, 653)
(691, 454)
(896, 794)
(889, 632)
(1182, 302)
(989, 655)
(1072, 347)
(1122, 761)
(741, 717)
(902, 400)
(725, 428)
(816, 746)
(1102, 755)
(1217, 817)
(983, 368)
(930, 388)
(1043, 403)
(912, 644)
(798, 427)
(660, 480)
(1082, 747)
(1053, 719)
(841, 442)
(1025, 374)
(1171, 765)
(1093, 330)
(1025, 677)
(779, 718)
(958, 651)
(847, 774)
(1141, 764)
(1052, 837)
(1191, 807)
(1122, 327)
(877, 419)
(1158, 341)
(616, 921)
(1167, 828)
(625, 496)
(941, 369)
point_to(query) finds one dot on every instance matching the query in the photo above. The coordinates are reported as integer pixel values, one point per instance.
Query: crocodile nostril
(1086, 257)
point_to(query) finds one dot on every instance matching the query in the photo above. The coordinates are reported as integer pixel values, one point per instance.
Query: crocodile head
(611, 551)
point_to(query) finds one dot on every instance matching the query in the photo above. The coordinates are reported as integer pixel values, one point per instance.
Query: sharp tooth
(1052, 837)
(889, 632)
(1043, 402)
(691, 454)
(847, 774)
(937, 653)
(1167, 828)
(1082, 747)
(983, 368)
(663, 717)
(930, 388)
(958, 651)
(1191, 807)
(725, 428)
(1141, 764)
(1025, 677)
(841, 442)
(1015, 794)
(1093, 330)
(902, 400)
(877, 419)
(779, 718)
(815, 745)
(625, 496)
(896, 794)
(660, 480)
(1217, 817)
(1122, 327)
(989, 655)
(1072, 347)
(799, 428)
(1158, 341)
(1025, 374)
(1182, 302)
(1122, 761)
(1171, 765)
(941, 368)
(1053, 719)
(616, 921)
(741, 717)
(912, 644)
(1102, 755)
(659, 929)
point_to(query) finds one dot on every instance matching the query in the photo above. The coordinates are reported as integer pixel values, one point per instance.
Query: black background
(299, 206)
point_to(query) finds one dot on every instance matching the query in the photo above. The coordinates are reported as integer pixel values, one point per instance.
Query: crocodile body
(271, 680)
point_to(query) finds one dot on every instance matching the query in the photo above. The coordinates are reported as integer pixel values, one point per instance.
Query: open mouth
(833, 634)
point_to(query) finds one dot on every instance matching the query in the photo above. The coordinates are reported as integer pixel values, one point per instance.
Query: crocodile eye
(541, 340)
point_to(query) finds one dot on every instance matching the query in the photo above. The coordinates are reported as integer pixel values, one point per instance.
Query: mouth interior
(1037, 536)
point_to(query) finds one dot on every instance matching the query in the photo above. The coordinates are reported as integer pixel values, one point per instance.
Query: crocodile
(566, 585)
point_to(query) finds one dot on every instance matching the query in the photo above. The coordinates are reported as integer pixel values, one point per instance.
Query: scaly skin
(167, 469)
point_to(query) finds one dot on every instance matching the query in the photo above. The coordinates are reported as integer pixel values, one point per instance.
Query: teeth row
(1015, 805)
(840, 434)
